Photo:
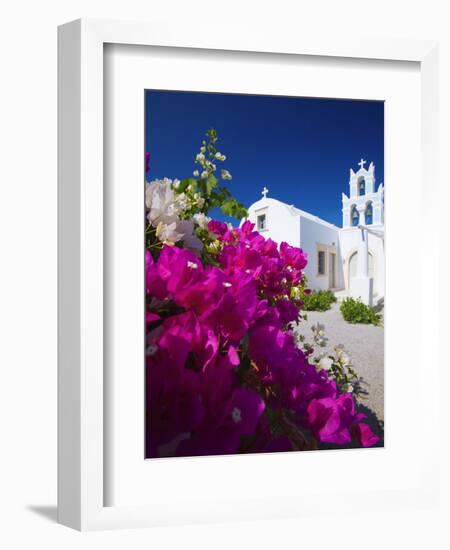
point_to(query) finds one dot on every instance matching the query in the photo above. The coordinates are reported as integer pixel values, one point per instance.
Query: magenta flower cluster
(223, 373)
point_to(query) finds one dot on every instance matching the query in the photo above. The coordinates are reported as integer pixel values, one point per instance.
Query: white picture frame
(81, 407)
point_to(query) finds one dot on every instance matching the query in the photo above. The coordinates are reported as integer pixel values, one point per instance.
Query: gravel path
(365, 345)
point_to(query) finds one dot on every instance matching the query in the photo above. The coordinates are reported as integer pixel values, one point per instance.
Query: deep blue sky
(300, 148)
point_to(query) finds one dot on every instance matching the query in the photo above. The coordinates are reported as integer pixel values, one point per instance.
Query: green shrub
(354, 311)
(318, 300)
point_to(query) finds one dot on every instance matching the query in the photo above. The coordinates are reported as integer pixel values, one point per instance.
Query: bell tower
(365, 204)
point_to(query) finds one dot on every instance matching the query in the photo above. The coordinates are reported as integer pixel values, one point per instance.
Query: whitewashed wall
(282, 225)
(313, 233)
(349, 240)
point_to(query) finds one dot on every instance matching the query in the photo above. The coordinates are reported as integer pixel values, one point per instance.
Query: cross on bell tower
(361, 163)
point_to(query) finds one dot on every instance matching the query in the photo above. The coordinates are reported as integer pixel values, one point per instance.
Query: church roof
(313, 217)
(294, 211)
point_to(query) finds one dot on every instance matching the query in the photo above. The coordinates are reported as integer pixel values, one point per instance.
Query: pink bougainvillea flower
(174, 404)
(155, 285)
(222, 433)
(219, 228)
(221, 356)
(293, 257)
(288, 311)
(189, 335)
(331, 419)
(324, 419)
(151, 317)
(364, 435)
(336, 420)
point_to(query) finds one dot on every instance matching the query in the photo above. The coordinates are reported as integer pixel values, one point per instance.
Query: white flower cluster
(340, 358)
(201, 220)
(199, 200)
(319, 337)
(318, 334)
(164, 210)
(208, 167)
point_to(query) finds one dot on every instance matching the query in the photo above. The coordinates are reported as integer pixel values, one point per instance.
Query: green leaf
(231, 207)
(211, 183)
(228, 207)
(184, 184)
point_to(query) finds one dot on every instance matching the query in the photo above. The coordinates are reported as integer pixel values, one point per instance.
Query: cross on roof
(361, 163)
(264, 192)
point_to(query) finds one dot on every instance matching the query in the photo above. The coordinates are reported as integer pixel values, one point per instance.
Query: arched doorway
(353, 268)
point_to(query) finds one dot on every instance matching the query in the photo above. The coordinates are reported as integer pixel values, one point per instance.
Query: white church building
(348, 260)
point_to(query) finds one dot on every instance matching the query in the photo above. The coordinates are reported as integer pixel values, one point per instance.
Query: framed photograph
(239, 225)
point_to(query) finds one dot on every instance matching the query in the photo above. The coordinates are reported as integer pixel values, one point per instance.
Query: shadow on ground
(379, 306)
(48, 512)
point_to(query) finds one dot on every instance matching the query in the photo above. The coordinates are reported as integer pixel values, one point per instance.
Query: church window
(368, 218)
(321, 262)
(355, 216)
(261, 223)
(361, 186)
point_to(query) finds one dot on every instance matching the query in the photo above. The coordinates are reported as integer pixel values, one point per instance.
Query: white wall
(282, 225)
(311, 234)
(350, 239)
